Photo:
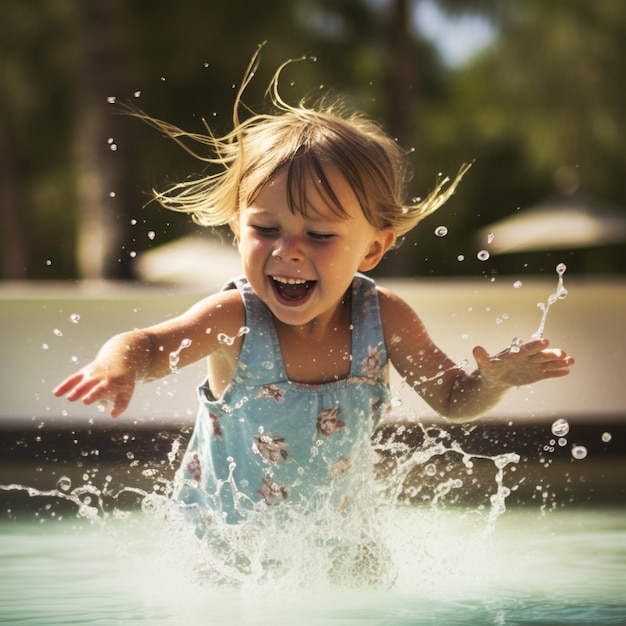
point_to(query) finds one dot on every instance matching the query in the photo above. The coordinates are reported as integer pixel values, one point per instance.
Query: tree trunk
(13, 215)
(401, 74)
(105, 160)
(401, 88)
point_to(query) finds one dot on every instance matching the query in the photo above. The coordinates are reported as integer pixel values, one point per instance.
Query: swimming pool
(564, 567)
(556, 555)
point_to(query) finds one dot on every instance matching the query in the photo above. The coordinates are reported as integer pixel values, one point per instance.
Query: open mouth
(292, 290)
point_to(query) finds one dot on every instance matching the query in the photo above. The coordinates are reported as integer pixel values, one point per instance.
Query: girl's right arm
(145, 354)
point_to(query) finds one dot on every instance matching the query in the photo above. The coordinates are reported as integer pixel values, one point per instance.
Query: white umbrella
(194, 260)
(562, 222)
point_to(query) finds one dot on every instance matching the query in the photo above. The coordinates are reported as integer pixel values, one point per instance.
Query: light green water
(563, 567)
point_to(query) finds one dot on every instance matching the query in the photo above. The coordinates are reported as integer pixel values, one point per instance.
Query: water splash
(229, 341)
(175, 356)
(439, 445)
(287, 548)
(560, 294)
(560, 427)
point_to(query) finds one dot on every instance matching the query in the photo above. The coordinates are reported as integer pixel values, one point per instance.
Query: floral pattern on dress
(272, 391)
(340, 468)
(273, 493)
(217, 431)
(272, 449)
(371, 366)
(328, 422)
(194, 467)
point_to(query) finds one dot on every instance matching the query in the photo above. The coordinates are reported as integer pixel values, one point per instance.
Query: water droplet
(151, 235)
(606, 437)
(111, 194)
(430, 469)
(490, 238)
(560, 428)
(175, 356)
(58, 332)
(64, 484)
(562, 442)
(74, 318)
(579, 452)
(517, 284)
(268, 365)
(560, 269)
(137, 94)
(482, 255)
(111, 99)
(441, 231)
(48, 262)
(460, 257)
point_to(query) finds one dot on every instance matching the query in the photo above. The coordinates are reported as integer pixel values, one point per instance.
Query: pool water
(532, 567)
(556, 555)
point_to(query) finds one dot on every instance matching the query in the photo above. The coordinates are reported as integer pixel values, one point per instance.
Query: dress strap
(368, 340)
(260, 361)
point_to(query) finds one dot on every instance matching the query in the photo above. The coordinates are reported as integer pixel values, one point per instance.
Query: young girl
(299, 347)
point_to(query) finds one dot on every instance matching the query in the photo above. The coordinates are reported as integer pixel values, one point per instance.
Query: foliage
(540, 112)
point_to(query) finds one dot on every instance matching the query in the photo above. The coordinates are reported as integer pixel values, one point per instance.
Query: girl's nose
(289, 249)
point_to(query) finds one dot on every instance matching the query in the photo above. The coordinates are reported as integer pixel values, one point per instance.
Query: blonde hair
(308, 142)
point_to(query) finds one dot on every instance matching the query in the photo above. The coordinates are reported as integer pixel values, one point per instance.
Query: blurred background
(529, 90)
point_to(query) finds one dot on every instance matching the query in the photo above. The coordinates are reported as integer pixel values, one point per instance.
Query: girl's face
(301, 267)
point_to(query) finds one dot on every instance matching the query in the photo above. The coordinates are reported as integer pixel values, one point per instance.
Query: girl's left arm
(443, 384)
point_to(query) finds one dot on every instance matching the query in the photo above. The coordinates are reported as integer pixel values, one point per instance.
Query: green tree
(542, 113)
(37, 53)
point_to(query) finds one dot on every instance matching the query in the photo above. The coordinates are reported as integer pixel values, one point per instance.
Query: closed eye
(264, 230)
(321, 236)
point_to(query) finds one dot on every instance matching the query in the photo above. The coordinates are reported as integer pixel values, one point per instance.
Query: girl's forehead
(318, 195)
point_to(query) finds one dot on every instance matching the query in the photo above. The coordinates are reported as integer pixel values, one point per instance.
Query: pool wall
(50, 330)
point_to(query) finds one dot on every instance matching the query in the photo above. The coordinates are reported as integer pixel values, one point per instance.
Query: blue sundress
(269, 441)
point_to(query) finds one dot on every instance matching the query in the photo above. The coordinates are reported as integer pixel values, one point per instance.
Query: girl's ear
(380, 243)
(234, 228)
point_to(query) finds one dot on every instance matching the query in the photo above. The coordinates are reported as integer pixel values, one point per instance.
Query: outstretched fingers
(76, 386)
(556, 363)
(523, 364)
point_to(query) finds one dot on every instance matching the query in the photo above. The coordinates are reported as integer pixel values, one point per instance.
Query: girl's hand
(523, 364)
(100, 383)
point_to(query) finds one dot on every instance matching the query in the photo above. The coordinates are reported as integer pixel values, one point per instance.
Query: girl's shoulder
(396, 313)
(222, 312)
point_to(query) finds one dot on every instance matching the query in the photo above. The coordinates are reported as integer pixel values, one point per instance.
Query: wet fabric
(271, 441)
